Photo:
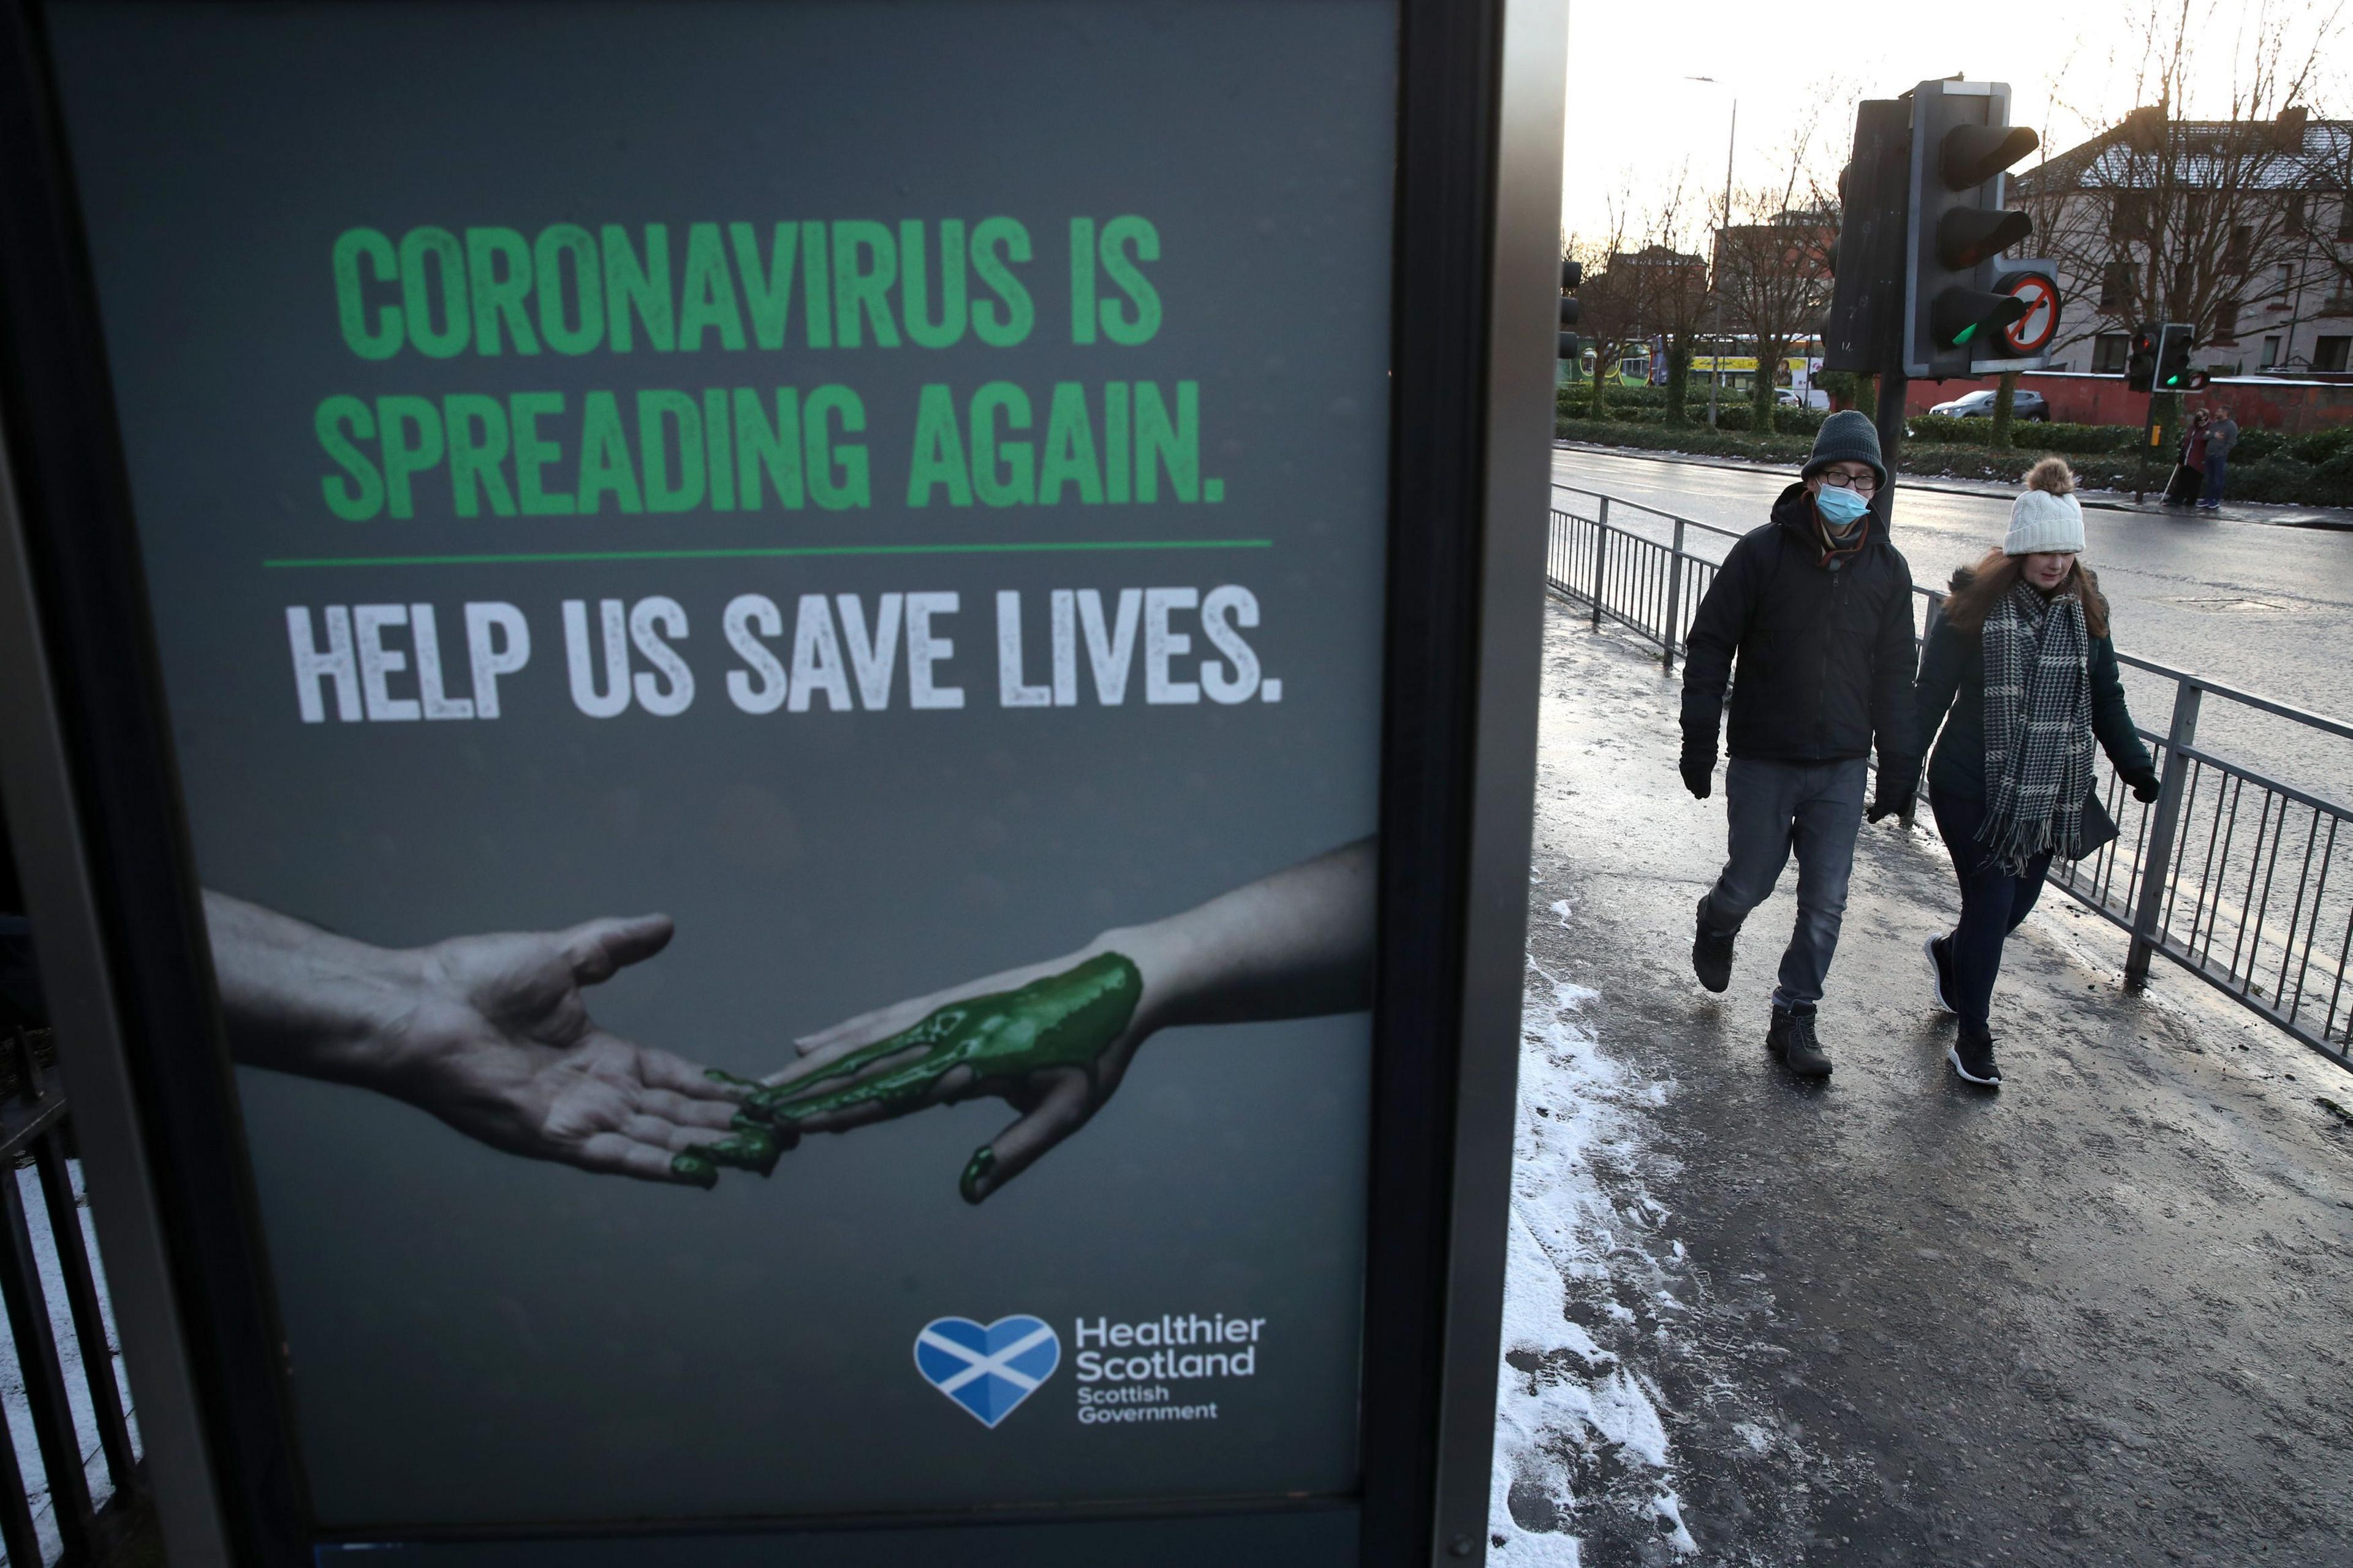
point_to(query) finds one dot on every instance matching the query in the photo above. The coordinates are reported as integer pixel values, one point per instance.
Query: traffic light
(1572, 275)
(2173, 371)
(2160, 358)
(1864, 331)
(1962, 141)
(2140, 368)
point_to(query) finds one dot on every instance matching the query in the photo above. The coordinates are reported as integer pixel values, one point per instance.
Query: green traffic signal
(1959, 314)
(2173, 355)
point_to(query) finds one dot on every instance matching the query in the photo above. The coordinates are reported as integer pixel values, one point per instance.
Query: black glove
(1699, 769)
(2144, 784)
(1899, 786)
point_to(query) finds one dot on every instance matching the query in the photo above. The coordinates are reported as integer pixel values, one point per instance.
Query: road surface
(2263, 608)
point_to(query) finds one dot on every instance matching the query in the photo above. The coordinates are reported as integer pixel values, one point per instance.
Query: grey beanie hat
(1846, 437)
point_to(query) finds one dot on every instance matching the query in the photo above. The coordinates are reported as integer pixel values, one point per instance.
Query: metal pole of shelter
(2157, 864)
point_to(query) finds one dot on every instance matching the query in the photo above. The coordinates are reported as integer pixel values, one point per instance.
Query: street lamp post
(1731, 137)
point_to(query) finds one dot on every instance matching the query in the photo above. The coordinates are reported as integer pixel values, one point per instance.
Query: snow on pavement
(1579, 1428)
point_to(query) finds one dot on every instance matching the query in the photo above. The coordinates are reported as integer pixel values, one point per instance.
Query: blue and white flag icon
(988, 1371)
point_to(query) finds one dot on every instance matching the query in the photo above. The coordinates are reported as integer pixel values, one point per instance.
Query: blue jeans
(2218, 465)
(1772, 808)
(1993, 902)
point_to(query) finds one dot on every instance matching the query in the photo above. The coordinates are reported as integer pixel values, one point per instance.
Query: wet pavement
(2099, 1318)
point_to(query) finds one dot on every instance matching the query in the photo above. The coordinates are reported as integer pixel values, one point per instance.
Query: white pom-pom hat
(2047, 519)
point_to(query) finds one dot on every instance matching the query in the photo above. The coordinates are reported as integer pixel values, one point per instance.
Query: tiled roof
(2205, 153)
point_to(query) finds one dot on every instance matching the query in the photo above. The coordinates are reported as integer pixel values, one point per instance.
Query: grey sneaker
(1793, 1040)
(1940, 973)
(1972, 1058)
(1711, 952)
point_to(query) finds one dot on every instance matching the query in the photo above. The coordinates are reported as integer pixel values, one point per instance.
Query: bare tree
(1772, 273)
(2165, 217)
(1611, 319)
(1677, 297)
(2323, 211)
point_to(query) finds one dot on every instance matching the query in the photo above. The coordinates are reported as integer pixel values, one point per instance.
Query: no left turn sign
(2032, 332)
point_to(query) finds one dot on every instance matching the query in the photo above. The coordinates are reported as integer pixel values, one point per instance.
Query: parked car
(2023, 404)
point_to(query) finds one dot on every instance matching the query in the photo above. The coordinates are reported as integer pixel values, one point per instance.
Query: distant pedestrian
(1817, 607)
(2022, 658)
(2190, 467)
(2221, 437)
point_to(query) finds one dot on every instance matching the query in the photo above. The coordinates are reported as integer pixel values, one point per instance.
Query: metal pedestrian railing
(2242, 880)
(85, 1473)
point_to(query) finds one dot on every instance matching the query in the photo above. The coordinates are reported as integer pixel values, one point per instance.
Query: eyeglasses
(1861, 487)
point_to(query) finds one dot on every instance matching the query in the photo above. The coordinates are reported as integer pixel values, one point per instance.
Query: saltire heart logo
(988, 1371)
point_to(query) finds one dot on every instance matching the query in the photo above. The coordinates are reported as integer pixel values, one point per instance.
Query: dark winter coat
(1952, 676)
(1825, 649)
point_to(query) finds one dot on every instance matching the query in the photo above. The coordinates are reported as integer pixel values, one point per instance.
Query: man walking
(1816, 605)
(2221, 435)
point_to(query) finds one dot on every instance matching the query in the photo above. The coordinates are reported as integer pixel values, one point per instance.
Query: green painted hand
(1063, 1020)
(1055, 1045)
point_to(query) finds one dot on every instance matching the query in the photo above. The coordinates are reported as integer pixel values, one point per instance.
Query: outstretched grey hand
(491, 1034)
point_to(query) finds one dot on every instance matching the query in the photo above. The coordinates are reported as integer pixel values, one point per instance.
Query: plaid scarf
(2037, 727)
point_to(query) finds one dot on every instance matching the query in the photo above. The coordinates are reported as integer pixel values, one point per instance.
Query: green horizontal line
(770, 552)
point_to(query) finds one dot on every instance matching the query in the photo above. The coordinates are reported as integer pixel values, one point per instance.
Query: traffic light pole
(1895, 390)
(2148, 440)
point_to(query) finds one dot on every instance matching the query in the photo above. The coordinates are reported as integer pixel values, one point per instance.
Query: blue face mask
(1841, 508)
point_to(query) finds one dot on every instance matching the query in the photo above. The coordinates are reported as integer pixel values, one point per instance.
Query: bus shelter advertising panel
(772, 616)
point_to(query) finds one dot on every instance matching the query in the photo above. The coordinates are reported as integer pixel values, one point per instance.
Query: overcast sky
(1633, 120)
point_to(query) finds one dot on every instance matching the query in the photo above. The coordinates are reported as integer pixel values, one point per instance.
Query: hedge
(2316, 447)
(2037, 435)
(1696, 440)
(2259, 473)
(1648, 405)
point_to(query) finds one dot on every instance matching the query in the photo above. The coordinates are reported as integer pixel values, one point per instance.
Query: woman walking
(2022, 661)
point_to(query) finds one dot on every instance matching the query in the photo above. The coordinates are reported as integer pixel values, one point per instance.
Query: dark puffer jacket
(1952, 676)
(1826, 654)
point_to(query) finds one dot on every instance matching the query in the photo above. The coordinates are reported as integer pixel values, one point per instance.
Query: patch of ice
(1577, 1430)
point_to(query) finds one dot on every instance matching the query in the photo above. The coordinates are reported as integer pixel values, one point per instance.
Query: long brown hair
(1977, 590)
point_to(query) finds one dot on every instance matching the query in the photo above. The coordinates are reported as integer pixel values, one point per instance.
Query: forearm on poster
(1296, 944)
(303, 1000)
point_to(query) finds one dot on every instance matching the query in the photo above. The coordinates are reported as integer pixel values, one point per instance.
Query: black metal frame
(34, 1125)
(58, 417)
